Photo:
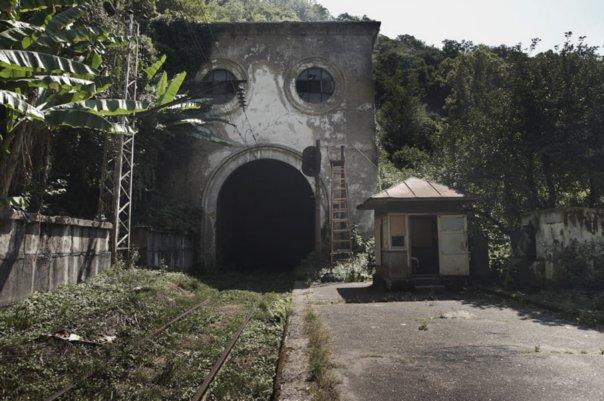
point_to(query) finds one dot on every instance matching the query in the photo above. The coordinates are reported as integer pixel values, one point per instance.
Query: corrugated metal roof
(417, 188)
(414, 190)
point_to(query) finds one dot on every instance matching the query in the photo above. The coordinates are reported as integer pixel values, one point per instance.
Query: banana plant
(50, 77)
(49, 60)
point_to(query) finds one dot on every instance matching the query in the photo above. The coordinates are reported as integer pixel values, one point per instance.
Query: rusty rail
(153, 334)
(203, 388)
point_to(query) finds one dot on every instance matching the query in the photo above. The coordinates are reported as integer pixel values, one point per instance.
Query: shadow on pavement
(474, 298)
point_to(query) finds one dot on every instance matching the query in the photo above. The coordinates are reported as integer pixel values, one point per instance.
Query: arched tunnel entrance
(265, 217)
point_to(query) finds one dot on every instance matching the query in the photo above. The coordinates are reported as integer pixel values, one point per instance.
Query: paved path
(472, 349)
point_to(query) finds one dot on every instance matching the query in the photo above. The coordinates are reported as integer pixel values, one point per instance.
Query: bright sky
(492, 22)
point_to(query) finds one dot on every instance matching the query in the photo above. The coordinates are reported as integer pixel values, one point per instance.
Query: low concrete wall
(155, 247)
(546, 233)
(39, 253)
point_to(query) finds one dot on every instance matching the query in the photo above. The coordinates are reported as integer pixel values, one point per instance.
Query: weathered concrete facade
(39, 253)
(277, 123)
(546, 233)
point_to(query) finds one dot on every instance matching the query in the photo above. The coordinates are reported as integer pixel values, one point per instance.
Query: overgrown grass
(324, 382)
(130, 304)
(359, 267)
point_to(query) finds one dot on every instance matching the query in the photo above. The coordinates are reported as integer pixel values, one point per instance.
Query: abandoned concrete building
(302, 82)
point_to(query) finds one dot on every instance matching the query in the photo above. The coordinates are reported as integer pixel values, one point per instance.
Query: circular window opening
(220, 85)
(315, 85)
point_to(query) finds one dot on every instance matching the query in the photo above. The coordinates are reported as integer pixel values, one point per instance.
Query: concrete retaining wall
(155, 247)
(553, 230)
(39, 253)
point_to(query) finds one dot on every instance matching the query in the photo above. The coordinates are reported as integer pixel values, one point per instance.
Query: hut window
(397, 231)
(453, 223)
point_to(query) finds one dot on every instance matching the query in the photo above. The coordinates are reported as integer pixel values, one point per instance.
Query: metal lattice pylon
(115, 198)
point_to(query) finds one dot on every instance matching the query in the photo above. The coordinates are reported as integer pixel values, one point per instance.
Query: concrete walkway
(456, 348)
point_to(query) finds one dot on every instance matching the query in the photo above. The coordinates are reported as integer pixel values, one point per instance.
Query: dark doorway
(423, 235)
(265, 217)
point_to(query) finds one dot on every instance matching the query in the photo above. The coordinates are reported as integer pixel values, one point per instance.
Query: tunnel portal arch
(221, 174)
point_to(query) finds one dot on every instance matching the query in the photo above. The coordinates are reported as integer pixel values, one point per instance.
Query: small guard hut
(420, 231)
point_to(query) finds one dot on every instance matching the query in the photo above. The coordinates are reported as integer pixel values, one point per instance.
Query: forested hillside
(242, 10)
(519, 129)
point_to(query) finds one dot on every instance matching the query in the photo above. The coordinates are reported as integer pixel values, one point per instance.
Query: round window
(220, 85)
(315, 85)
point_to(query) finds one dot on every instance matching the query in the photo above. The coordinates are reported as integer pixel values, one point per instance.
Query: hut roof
(414, 189)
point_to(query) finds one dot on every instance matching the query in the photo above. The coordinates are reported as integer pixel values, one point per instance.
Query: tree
(244, 10)
(409, 99)
(523, 132)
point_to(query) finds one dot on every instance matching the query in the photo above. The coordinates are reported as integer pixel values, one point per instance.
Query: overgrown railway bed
(149, 359)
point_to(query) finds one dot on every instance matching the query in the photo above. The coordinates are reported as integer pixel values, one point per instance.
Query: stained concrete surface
(473, 348)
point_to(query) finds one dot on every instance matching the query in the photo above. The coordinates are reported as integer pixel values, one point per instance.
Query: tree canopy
(519, 131)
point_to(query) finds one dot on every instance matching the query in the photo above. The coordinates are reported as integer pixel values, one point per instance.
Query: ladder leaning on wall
(341, 242)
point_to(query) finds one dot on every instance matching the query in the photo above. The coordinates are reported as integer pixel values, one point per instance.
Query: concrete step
(429, 287)
(428, 283)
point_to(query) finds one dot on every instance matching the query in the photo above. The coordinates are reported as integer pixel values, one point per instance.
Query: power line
(217, 45)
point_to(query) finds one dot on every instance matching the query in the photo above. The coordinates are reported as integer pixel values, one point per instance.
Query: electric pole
(115, 198)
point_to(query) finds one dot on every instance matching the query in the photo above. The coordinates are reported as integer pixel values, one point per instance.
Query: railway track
(203, 388)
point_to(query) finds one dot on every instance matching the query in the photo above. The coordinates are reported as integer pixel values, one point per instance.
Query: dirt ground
(456, 347)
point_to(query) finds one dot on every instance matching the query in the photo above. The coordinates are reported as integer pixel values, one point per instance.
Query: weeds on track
(324, 381)
(130, 304)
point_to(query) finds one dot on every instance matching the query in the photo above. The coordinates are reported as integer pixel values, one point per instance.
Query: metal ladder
(341, 242)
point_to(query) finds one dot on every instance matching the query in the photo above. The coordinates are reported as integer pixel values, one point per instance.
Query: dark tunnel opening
(265, 217)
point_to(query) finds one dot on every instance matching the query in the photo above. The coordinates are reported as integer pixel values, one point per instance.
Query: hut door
(423, 235)
(453, 245)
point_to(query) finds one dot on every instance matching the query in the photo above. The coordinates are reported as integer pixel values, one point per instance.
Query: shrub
(580, 265)
(358, 268)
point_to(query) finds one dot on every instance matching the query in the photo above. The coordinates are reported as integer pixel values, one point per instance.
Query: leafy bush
(580, 265)
(358, 268)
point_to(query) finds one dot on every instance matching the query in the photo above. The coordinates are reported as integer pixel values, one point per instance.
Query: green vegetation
(324, 382)
(581, 266)
(130, 304)
(360, 267)
(242, 10)
(57, 68)
(518, 130)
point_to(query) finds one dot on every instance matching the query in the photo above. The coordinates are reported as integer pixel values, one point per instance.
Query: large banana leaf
(154, 68)
(7, 73)
(18, 103)
(185, 103)
(88, 34)
(18, 60)
(65, 18)
(20, 36)
(162, 85)
(85, 120)
(56, 82)
(189, 121)
(106, 107)
(173, 88)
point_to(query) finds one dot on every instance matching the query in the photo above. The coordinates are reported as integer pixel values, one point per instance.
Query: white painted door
(453, 245)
